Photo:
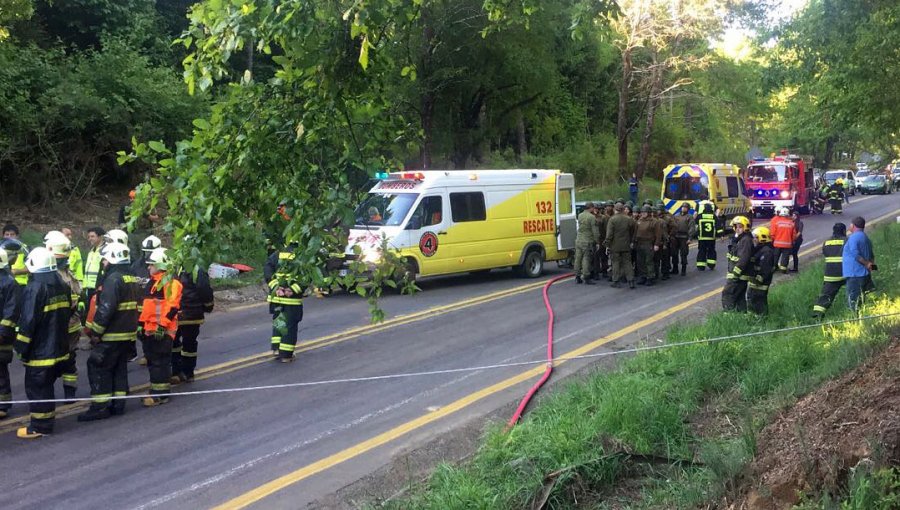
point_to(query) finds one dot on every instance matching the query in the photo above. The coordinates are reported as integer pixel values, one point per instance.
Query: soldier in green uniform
(586, 243)
(601, 260)
(647, 240)
(684, 226)
(619, 241)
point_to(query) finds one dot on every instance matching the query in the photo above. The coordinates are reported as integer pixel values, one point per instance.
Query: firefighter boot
(683, 269)
(69, 392)
(94, 414)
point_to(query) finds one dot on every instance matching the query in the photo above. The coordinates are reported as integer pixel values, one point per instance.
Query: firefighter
(620, 241)
(740, 250)
(159, 325)
(17, 266)
(647, 241)
(285, 302)
(783, 234)
(76, 262)
(832, 250)
(41, 342)
(93, 263)
(684, 226)
(112, 324)
(59, 244)
(836, 197)
(706, 236)
(196, 301)
(586, 243)
(763, 261)
(10, 303)
(139, 266)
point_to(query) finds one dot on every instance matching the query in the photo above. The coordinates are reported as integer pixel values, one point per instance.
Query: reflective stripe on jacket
(42, 340)
(280, 280)
(833, 250)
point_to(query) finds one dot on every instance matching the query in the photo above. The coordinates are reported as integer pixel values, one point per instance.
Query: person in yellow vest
(76, 263)
(93, 264)
(60, 245)
(17, 267)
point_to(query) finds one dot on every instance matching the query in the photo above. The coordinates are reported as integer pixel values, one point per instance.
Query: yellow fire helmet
(740, 220)
(762, 234)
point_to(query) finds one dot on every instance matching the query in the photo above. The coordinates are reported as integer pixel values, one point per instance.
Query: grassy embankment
(572, 444)
(649, 188)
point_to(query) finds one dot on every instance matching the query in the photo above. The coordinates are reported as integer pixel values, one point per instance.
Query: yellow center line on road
(255, 495)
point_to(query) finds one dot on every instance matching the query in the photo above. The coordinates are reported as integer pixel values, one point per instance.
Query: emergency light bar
(418, 176)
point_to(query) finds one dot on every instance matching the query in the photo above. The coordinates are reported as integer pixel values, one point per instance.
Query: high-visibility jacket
(76, 264)
(114, 308)
(279, 278)
(706, 227)
(42, 340)
(19, 266)
(833, 250)
(161, 303)
(92, 267)
(783, 232)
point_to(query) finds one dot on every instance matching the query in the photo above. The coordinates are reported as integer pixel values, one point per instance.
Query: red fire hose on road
(524, 403)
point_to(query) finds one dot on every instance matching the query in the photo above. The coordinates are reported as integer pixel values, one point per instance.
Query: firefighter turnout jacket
(281, 281)
(115, 316)
(42, 340)
(10, 302)
(833, 250)
(740, 252)
(196, 297)
(763, 267)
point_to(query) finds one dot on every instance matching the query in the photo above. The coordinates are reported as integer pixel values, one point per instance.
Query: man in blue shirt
(857, 262)
(633, 188)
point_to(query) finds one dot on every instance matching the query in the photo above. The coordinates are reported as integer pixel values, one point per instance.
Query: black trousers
(783, 257)
(108, 374)
(69, 368)
(185, 362)
(292, 314)
(734, 295)
(826, 298)
(6, 356)
(159, 362)
(758, 301)
(706, 253)
(39, 383)
(680, 252)
(795, 253)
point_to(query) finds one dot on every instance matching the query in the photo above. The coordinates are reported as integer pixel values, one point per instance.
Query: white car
(861, 166)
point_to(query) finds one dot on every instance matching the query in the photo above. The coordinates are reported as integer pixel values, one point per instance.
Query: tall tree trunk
(250, 44)
(521, 144)
(622, 121)
(653, 102)
(829, 151)
(424, 75)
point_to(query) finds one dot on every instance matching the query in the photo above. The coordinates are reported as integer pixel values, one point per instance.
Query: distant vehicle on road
(861, 166)
(876, 184)
(691, 183)
(442, 222)
(847, 175)
(860, 175)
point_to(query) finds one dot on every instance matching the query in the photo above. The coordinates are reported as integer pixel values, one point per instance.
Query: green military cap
(629, 204)
(619, 206)
(620, 199)
(589, 205)
(659, 203)
(646, 209)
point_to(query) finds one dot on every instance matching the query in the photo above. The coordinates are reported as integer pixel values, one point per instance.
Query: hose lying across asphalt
(430, 373)
(550, 317)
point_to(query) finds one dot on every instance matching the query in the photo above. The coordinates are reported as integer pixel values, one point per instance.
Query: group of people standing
(50, 297)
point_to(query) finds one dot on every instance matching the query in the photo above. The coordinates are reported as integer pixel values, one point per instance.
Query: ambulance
(452, 221)
(720, 183)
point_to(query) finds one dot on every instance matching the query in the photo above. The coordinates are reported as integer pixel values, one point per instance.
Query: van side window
(467, 207)
(430, 212)
(733, 190)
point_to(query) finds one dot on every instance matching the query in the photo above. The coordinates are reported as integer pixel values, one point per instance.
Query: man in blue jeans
(633, 188)
(858, 261)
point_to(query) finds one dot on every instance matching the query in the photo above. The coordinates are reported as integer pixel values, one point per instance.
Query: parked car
(847, 175)
(860, 175)
(875, 184)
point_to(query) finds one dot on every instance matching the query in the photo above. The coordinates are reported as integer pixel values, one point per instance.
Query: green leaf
(201, 124)
(157, 146)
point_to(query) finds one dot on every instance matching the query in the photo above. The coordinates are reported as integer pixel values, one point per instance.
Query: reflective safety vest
(76, 264)
(161, 304)
(92, 267)
(19, 264)
(282, 281)
(706, 227)
(833, 251)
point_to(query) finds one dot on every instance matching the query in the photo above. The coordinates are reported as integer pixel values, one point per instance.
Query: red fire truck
(784, 181)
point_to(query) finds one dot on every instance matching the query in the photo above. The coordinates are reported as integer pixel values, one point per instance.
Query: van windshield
(767, 173)
(687, 187)
(830, 177)
(382, 209)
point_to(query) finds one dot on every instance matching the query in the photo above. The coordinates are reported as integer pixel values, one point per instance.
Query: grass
(647, 404)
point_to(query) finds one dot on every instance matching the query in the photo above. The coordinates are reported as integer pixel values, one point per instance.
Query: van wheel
(533, 265)
(409, 271)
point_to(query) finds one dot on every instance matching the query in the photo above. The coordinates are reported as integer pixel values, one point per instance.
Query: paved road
(285, 448)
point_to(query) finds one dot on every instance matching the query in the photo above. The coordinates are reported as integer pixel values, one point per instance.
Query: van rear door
(566, 224)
